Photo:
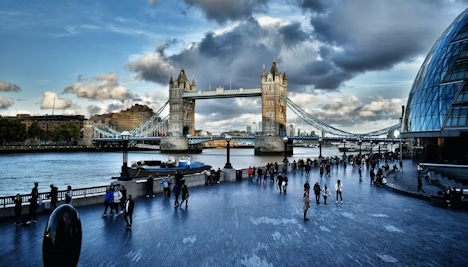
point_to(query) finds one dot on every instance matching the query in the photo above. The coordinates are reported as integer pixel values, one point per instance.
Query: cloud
(105, 87)
(50, 100)
(5, 103)
(222, 11)
(9, 87)
(153, 2)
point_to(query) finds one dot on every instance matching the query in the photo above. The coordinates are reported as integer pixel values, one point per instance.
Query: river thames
(86, 169)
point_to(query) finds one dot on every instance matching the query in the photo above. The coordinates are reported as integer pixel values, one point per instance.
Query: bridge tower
(182, 115)
(274, 85)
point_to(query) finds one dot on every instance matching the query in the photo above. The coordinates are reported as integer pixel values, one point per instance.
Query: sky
(349, 63)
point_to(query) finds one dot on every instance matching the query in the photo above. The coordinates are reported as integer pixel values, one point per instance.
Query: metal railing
(79, 192)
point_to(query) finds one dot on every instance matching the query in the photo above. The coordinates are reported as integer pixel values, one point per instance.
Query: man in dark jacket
(53, 197)
(128, 212)
(149, 186)
(33, 203)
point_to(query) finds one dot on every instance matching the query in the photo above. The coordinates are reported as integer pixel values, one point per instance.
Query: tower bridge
(180, 123)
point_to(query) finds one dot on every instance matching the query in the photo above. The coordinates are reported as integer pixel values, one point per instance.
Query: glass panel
(462, 121)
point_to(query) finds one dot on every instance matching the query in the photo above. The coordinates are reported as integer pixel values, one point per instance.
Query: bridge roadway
(251, 139)
(248, 224)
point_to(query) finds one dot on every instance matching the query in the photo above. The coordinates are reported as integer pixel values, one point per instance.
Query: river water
(86, 169)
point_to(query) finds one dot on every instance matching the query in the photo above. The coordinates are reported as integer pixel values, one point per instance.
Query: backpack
(165, 184)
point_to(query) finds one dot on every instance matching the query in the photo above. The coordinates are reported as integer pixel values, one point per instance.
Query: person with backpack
(165, 183)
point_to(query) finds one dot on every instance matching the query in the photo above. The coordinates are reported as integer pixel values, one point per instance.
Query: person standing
(117, 199)
(176, 190)
(165, 183)
(108, 200)
(69, 196)
(285, 183)
(360, 173)
(249, 172)
(53, 196)
(306, 205)
(149, 186)
(372, 175)
(18, 209)
(317, 191)
(128, 212)
(33, 204)
(420, 185)
(279, 179)
(218, 175)
(307, 188)
(185, 196)
(326, 193)
(338, 188)
(123, 191)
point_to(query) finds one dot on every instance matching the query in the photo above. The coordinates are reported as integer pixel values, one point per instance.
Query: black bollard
(62, 238)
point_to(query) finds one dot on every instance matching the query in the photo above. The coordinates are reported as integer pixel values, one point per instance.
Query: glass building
(437, 109)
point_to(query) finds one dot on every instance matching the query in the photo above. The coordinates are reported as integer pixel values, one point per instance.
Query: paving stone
(249, 224)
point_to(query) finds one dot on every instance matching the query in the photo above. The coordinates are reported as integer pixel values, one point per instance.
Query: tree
(35, 131)
(12, 130)
(67, 131)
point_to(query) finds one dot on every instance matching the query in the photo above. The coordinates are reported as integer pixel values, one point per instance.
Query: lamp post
(371, 147)
(285, 140)
(360, 143)
(320, 147)
(124, 174)
(344, 148)
(228, 164)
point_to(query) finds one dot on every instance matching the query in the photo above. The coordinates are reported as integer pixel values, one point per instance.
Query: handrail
(8, 200)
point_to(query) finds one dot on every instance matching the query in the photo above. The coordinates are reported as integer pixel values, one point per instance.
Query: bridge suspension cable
(320, 125)
(141, 128)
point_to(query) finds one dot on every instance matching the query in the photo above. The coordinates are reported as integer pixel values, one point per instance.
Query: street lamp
(344, 147)
(371, 147)
(285, 140)
(320, 147)
(360, 143)
(228, 164)
(124, 174)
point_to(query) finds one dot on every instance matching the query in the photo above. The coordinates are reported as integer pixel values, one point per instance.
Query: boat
(310, 145)
(350, 147)
(184, 165)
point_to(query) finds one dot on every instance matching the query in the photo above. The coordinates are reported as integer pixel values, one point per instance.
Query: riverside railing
(77, 193)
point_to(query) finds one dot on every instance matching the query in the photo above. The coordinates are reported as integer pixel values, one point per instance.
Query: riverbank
(47, 149)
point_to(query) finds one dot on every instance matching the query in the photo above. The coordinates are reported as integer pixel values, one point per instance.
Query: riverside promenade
(249, 224)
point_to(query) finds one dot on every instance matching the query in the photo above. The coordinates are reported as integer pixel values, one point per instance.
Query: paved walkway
(248, 224)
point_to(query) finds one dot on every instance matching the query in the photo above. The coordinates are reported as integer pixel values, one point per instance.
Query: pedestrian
(338, 188)
(279, 180)
(179, 179)
(321, 171)
(117, 199)
(401, 165)
(306, 205)
(307, 188)
(18, 208)
(69, 196)
(185, 196)
(285, 183)
(420, 185)
(149, 186)
(249, 172)
(218, 175)
(326, 193)
(128, 212)
(360, 173)
(176, 190)
(123, 191)
(372, 175)
(53, 197)
(108, 200)
(33, 204)
(317, 191)
(167, 189)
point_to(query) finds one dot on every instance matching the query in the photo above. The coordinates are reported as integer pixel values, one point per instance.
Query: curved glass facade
(438, 100)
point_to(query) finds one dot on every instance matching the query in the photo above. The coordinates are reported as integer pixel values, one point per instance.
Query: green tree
(35, 131)
(67, 131)
(12, 130)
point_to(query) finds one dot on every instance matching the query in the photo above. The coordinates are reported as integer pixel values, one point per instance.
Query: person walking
(117, 199)
(18, 208)
(108, 200)
(279, 180)
(420, 185)
(176, 190)
(53, 196)
(372, 175)
(317, 191)
(33, 203)
(285, 183)
(185, 196)
(306, 205)
(326, 193)
(128, 212)
(123, 191)
(69, 196)
(307, 188)
(360, 173)
(149, 186)
(338, 188)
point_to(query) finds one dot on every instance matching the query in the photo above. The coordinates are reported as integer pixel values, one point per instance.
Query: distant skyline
(349, 63)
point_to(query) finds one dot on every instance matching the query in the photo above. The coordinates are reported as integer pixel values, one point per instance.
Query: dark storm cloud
(222, 11)
(292, 34)
(162, 46)
(318, 6)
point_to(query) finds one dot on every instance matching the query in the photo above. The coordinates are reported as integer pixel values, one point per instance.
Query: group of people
(453, 196)
(35, 201)
(115, 197)
(325, 192)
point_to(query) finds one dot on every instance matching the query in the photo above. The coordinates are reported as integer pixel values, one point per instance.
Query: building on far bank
(436, 115)
(48, 123)
(126, 120)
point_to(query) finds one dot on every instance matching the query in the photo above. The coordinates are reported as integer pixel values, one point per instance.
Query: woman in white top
(326, 193)
(69, 196)
(338, 188)
(117, 198)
